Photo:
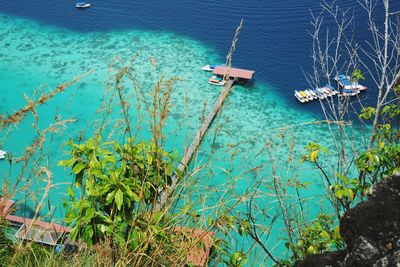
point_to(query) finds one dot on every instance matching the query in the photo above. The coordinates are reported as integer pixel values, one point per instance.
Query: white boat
(330, 89)
(211, 67)
(3, 154)
(299, 97)
(309, 95)
(360, 87)
(315, 96)
(215, 80)
(350, 92)
(326, 91)
(82, 5)
(304, 95)
(320, 94)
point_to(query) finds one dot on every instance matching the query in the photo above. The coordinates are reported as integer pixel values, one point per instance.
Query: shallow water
(34, 55)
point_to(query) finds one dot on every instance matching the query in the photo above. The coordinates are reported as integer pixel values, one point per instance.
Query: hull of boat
(83, 6)
(207, 68)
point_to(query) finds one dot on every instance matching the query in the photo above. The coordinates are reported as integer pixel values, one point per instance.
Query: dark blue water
(275, 40)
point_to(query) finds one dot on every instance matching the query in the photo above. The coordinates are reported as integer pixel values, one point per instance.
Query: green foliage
(367, 113)
(346, 189)
(116, 181)
(313, 150)
(6, 247)
(318, 237)
(356, 76)
(238, 259)
(384, 158)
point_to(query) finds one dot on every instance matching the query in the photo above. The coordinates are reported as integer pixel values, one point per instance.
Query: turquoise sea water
(36, 56)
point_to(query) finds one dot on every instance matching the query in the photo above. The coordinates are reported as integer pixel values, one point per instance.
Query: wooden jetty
(190, 151)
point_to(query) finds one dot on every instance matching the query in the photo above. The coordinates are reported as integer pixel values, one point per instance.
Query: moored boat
(300, 97)
(303, 94)
(309, 95)
(3, 154)
(350, 92)
(330, 89)
(345, 82)
(211, 67)
(314, 95)
(215, 80)
(322, 92)
(319, 94)
(82, 5)
(326, 91)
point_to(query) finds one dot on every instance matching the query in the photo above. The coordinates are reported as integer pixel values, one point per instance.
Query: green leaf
(325, 235)
(130, 193)
(336, 234)
(314, 155)
(149, 158)
(119, 198)
(238, 259)
(343, 178)
(70, 192)
(385, 109)
(78, 168)
(67, 163)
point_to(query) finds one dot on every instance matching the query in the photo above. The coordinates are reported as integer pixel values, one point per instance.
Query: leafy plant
(384, 157)
(356, 76)
(318, 237)
(238, 259)
(116, 182)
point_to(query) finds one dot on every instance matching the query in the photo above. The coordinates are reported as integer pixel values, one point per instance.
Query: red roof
(198, 242)
(47, 226)
(4, 207)
(234, 72)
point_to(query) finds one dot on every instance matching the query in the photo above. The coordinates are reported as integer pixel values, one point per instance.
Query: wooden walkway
(190, 151)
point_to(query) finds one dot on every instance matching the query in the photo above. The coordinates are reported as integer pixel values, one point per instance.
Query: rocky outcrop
(371, 231)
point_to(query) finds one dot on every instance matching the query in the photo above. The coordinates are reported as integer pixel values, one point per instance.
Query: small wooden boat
(82, 5)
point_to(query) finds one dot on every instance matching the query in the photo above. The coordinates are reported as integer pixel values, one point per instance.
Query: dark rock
(326, 259)
(371, 231)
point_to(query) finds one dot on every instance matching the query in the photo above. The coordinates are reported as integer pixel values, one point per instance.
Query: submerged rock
(371, 231)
